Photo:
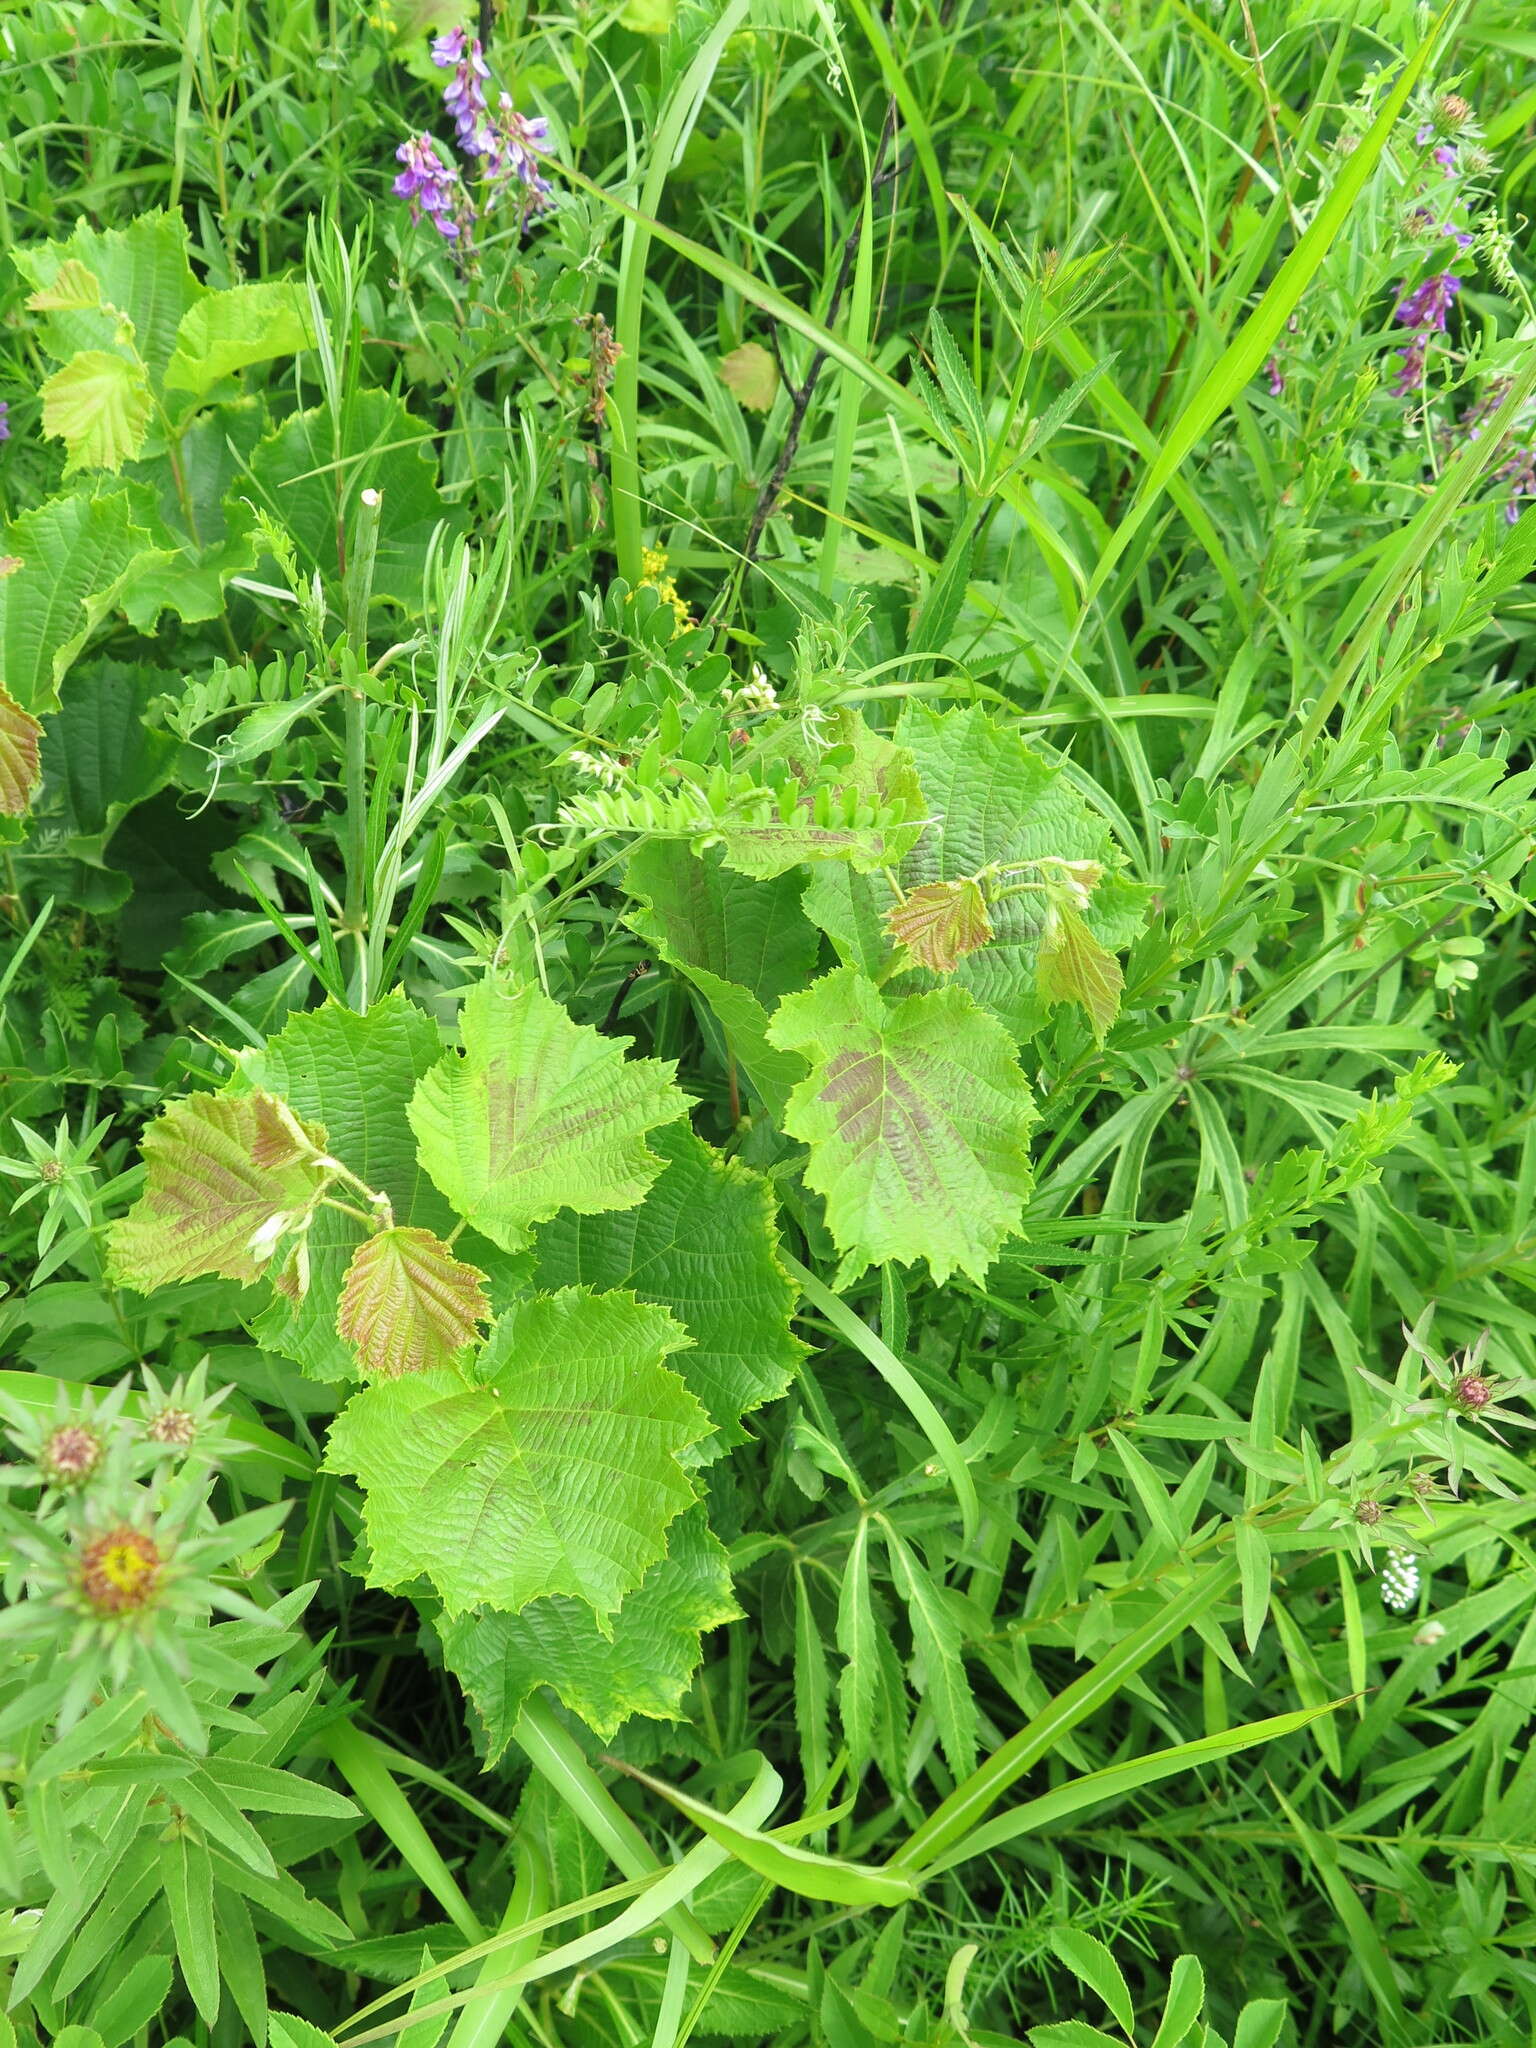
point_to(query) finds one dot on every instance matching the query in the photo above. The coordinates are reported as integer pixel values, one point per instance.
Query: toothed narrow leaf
(19, 768)
(552, 1470)
(227, 1177)
(407, 1304)
(539, 1114)
(644, 1668)
(918, 1118)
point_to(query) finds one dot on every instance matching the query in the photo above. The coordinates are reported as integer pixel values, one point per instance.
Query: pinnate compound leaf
(643, 1668)
(226, 1177)
(353, 1074)
(19, 768)
(703, 1245)
(229, 330)
(940, 923)
(863, 804)
(98, 405)
(407, 1304)
(538, 1114)
(1072, 967)
(918, 1117)
(553, 1469)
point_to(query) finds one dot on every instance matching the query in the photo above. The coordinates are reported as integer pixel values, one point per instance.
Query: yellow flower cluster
(653, 576)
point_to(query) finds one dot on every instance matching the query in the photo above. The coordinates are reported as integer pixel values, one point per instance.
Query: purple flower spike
(5, 419)
(1520, 475)
(1276, 378)
(434, 188)
(517, 143)
(464, 94)
(1425, 136)
(1445, 156)
(1425, 307)
(1410, 376)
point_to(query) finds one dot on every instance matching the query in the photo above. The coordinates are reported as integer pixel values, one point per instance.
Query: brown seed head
(1369, 1512)
(1453, 110)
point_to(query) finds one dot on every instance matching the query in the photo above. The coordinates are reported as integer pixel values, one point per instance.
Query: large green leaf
(98, 405)
(308, 480)
(552, 1470)
(73, 552)
(994, 800)
(918, 1119)
(538, 1114)
(354, 1074)
(742, 943)
(141, 272)
(226, 331)
(100, 754)
(644, 1667)
(220, 1171)
(703, 1245)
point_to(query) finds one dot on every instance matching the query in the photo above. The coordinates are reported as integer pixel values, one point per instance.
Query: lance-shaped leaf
(940, 923)
(918, 1119)
(19, 735)
(1072, 966)
(703, 1245)
(552, 1470)
(227, 1177)
(782, 1863)
(538, 1114)
(407, 1304)
(643, 1668)
(98, 405)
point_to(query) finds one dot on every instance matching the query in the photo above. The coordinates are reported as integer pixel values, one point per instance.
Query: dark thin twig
(768, 497)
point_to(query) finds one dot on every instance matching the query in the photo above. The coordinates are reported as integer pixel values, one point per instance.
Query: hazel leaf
(552, 1469)
(227, 1178)
(98, 405)
(407, 1304)
(917, 1115)
(940, 923)
(19, 767)
(1071, 966)
(538, 1114)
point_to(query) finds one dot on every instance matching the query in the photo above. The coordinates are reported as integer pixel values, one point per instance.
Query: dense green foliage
(765, 1023)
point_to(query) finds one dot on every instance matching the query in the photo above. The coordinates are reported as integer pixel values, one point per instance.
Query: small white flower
(602, 770)
(1399, 1581)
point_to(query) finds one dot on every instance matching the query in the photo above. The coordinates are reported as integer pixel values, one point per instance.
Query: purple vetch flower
(464, 94)
(5, 419)
(1519, 473)
(1276, 377)
(1425, 307)
(1410, 375)
(517, 143)
(1445, 156)
(1424, 138)
(435, 189)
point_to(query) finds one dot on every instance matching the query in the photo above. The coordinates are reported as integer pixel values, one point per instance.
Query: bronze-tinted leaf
(940, 923)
